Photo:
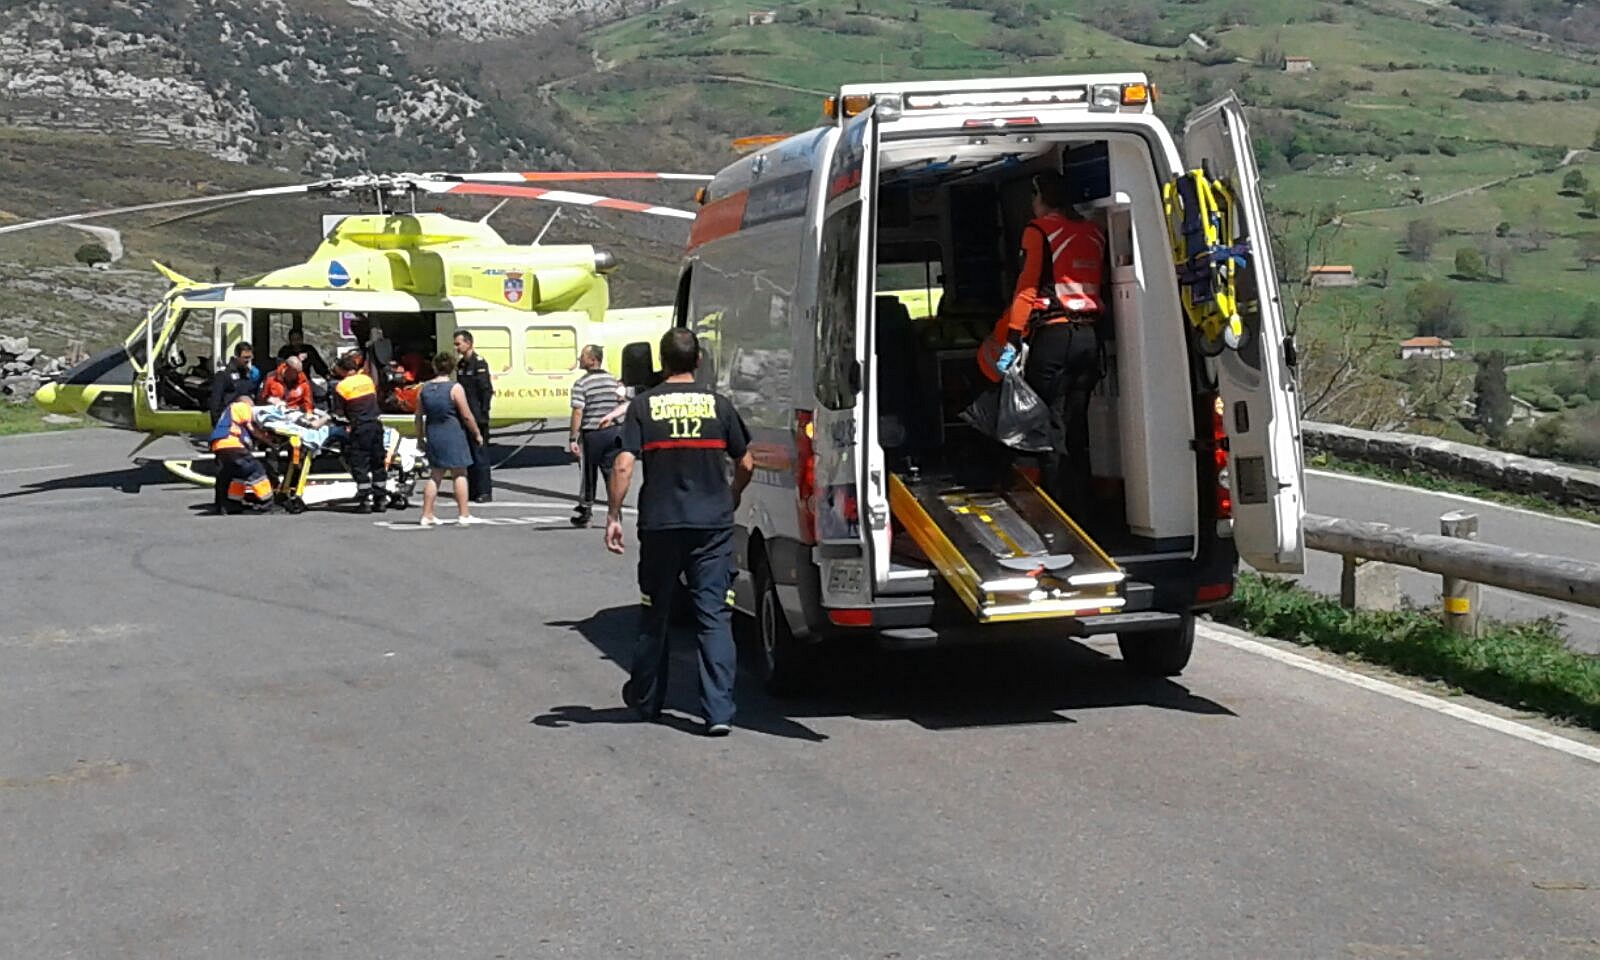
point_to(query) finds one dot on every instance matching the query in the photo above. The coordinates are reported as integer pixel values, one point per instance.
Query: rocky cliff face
(307, 85)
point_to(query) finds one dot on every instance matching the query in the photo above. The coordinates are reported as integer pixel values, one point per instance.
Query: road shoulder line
(1460, 497)
(1248, 644)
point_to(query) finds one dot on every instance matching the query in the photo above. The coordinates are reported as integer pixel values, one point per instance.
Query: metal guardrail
(1456, 556)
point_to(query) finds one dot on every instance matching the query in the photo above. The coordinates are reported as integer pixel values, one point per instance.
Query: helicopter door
(144, 367)
(228, 332)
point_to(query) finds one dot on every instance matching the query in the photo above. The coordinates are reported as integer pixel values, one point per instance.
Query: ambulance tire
(786, 666)
(1158, 653)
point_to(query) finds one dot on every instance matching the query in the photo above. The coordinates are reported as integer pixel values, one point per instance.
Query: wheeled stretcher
(314, 471)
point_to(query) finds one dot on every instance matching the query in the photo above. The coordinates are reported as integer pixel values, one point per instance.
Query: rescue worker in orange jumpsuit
(240, 477)
(1055, 309)
(356, 397)
(289, 384)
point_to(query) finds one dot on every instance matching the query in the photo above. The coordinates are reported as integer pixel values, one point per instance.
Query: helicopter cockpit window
(183, 362)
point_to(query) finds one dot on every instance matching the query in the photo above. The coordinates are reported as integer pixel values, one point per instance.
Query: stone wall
(24, 369)
(1559, 482)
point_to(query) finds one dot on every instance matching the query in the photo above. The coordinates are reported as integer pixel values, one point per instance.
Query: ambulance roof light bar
(1097, 97)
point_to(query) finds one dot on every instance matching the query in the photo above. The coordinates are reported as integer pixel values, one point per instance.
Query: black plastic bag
(1011, 413)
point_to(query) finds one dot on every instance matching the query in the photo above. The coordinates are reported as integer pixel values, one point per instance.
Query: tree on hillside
(1588, 325)
(92, 253)
(1503, 229)
(1469, 263)
(1591, 202)
(1421, 235)
(1491, 395)
(1574, 182)
(1538, 234)
(1434, 311)
(1588, 249)
(1499, 256)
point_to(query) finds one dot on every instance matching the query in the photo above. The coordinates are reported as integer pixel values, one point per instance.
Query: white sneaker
(469, 521)
(431, 522)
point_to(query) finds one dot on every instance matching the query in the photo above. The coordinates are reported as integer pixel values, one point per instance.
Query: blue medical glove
(1008, 356)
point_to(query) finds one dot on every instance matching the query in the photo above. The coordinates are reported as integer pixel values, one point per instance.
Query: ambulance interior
(950, 215)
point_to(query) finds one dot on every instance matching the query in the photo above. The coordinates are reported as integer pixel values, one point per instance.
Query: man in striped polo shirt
(594, 437)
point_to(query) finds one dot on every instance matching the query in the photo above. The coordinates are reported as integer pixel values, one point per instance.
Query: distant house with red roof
(1427, 348)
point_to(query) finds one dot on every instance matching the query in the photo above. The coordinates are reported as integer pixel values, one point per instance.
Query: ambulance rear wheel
(1158, 653)
(785, 664)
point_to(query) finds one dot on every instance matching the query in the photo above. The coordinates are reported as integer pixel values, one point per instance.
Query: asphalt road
(317, 736)
(1358, 499)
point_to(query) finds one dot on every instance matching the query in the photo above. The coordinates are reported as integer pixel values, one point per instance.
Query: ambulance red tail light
(805, 476)
(999, 123)
(1219, 459)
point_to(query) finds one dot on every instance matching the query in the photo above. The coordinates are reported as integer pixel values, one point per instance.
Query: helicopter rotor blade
(241, 195)
(549, 195)
(571, 176)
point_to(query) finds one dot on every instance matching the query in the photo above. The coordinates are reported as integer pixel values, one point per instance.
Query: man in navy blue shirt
(685, 434)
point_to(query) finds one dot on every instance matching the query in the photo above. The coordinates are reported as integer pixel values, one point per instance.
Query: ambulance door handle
(877, 510)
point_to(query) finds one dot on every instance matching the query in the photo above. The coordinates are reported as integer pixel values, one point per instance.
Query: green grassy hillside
(1414, 112)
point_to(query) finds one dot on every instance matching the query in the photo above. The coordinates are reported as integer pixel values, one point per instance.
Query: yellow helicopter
(410, 279)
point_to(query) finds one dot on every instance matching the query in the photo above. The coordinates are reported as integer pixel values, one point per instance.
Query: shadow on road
(127, 480)
(958, 688)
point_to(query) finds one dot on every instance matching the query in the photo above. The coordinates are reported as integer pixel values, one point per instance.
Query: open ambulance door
(1261, 401)
(852, 500)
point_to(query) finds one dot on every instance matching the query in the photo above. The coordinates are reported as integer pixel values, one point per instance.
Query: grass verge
(1522, 665)
(1428, 480)
(18, 418)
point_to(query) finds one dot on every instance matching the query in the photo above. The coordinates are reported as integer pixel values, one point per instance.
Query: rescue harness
(1200, 224)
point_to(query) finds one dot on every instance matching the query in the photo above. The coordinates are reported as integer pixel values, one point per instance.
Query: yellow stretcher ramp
(1009, 556)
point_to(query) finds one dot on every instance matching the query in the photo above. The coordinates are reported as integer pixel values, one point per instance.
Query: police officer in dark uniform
(355, 396)
(685, 434)
(472, 372)
(238, 379)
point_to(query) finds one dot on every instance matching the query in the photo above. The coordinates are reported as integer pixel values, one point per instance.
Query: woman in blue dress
(444, 423)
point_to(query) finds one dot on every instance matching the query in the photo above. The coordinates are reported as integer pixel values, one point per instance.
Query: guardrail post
(1347, 581)
(1460, 597)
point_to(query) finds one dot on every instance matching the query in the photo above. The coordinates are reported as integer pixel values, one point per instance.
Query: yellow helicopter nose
(46, 397)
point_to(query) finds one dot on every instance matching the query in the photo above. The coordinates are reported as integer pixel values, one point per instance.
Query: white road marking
(409, 526)
(538, 505)
(1582, 751)
(48, 466)
(1459, 497)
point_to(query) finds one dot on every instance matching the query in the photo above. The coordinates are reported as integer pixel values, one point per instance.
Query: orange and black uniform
(356, 397)
(1057, 307)
(240, 478)
(278, 387)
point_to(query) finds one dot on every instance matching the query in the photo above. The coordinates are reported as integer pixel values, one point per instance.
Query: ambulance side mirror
(638, 370)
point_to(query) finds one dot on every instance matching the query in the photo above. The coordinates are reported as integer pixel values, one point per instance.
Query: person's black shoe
(483, 498)
(639, 709)
(580, 518)
(380, 506)
(718, 729)
(363, 507)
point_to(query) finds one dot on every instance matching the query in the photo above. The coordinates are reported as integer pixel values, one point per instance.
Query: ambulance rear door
(851, 492)
(1261, 401)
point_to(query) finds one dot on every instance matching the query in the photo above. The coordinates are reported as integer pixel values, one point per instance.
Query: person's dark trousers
(227, 472)
(479, 486)
(365, 448)
(1063, 367)
(705, 559)
(598, 449)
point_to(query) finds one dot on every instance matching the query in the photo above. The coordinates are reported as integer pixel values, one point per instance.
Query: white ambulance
(841, 280)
